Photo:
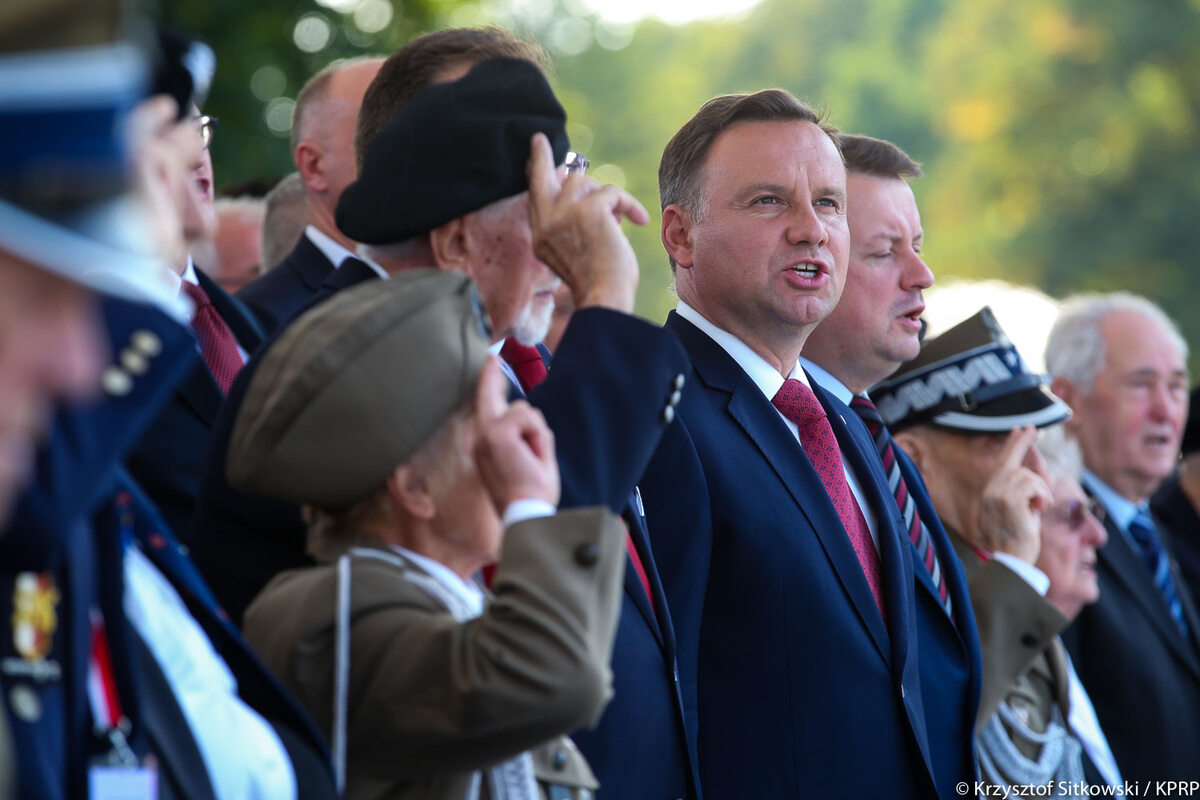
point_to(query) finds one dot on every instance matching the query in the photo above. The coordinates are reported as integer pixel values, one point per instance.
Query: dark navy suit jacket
(281, 292)
(1143, 676)
(798, 687)
(606, 398)
(950, 658)
(168, 460)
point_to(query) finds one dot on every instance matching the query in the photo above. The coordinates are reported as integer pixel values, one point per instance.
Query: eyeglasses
(207, 124)
(576, 162)
(1075, 512)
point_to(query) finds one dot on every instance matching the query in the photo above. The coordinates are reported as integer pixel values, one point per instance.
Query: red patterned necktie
(217, 345)
(525, 361)
(798, 403)
(917, 531)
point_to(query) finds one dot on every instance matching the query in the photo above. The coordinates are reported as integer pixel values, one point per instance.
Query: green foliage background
(1058, 137)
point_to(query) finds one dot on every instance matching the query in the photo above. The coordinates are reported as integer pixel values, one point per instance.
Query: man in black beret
(444, 183)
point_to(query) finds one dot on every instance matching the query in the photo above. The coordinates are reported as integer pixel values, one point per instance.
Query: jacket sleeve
(429, 695)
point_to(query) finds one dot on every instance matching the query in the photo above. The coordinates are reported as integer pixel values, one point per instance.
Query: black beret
(455, 148)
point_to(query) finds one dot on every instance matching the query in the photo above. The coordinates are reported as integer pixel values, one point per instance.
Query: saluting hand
(577, 231)
(514, 447)
(1014, 499)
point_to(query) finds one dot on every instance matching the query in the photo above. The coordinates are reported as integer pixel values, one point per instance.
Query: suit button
(133, 361)
(903, 692)
(587, 554)
(560, 759)
(676, 396)
(668, 414)
(1030, 639)
(146, 342)
(678, 382)
(116, 382)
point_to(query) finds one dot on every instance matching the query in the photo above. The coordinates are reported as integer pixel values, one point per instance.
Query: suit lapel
(309, 263)
(1128, 569)
(759, 420)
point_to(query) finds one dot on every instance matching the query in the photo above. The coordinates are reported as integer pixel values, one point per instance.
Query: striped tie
(1144, 534)
(917, 531)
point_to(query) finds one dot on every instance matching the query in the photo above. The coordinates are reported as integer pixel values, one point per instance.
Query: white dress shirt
(769, 381)
(243, 755)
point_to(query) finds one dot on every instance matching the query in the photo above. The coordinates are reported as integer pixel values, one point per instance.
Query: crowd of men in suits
(353, 531)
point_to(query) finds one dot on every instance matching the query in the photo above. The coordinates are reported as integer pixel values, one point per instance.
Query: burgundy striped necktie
(917, 531)
(798, 403)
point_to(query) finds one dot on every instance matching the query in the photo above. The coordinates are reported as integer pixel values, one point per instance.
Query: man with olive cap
(382, 411)
(444, 183)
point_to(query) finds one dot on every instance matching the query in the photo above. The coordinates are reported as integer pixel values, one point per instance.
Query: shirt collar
(826, 381)
(765, 377)
(331, 249)
(373, 264)
(1121, 510)
(466, 591)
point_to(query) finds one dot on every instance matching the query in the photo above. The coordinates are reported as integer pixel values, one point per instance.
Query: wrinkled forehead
(775, 151)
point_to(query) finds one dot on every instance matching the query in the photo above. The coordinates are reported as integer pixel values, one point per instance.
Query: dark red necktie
(525, 361)
(798, 403)
(217, 345)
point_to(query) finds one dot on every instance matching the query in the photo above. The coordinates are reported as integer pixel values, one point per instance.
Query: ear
(451, 246)
(1069, 394)
(308, 157)
(677, 235)
(410, 490)
(915, 446)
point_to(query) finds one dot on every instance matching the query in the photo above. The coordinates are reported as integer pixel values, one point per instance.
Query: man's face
(875, 326)
(1130, 423)
(1071, 534)
(237, 241)
(517, 288)
(334, 129)
(766, 261)
(50, 349)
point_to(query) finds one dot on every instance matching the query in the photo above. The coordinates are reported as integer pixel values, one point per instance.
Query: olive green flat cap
(355, 386)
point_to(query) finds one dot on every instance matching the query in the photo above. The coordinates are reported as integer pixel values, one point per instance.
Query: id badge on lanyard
(116, 773)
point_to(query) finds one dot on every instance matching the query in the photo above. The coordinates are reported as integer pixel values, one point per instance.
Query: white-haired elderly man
(1120, 363)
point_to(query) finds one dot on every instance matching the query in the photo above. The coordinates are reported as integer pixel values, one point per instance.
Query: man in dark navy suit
(323, 150)
(1120, 363)
(168, 461)
(874, 328)
(614, 380)
(788, 574)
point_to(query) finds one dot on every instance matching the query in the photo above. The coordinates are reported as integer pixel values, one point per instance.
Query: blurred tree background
(1058, 137)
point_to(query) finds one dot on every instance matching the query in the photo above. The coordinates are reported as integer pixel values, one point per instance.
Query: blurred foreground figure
(974, 445)
(1121, 364)
(120, 677)
(426, 684)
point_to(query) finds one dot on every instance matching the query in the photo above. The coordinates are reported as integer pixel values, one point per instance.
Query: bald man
(323, 149)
